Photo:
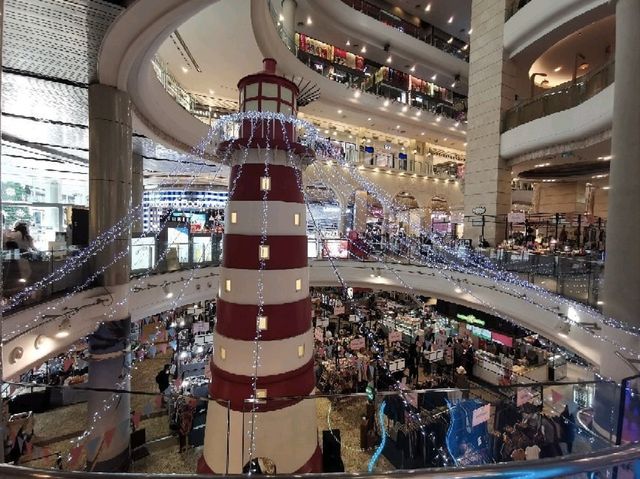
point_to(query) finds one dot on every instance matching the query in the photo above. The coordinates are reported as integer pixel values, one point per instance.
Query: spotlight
(167, 292)
(458, 290)
(63, 329)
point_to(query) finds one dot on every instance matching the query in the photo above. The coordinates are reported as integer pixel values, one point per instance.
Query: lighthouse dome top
(268, 91)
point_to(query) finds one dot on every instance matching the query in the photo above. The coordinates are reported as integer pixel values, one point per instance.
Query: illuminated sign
(470, 318)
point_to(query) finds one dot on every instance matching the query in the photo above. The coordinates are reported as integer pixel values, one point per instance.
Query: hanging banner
(481, 415)
(524, 396)
(395, 336)
(357, 344)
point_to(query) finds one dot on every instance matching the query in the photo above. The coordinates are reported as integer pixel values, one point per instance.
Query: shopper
(163, 380)
(569, 427)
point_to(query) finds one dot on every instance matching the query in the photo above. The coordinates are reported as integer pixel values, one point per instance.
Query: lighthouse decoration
(263, 340)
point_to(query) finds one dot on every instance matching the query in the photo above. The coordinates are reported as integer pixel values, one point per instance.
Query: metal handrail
(544, 468)
(560, 98)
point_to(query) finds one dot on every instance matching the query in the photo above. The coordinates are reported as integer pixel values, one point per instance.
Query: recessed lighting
(605, 158)
(339, 112)
(606, 187)
(450, 41)
(211, 92)
(326, 132)
(453, 85)
(185, 70)
(356, 93)
(397, 127)
(389, 59)
(309, 22)
(557, 69)
(412, 69)
(457, 124)
(405, 108)
(434, 76)
(450, 19)
(281, 17)
(465, 47)
(363, 49)
(348, 43)
(445, 139)
(369, 119)
(465, 143)
(427, 8)
(458, 289)
(422, 134)
(386, 103)
(419, 113)
(439, 119)
(470, 31)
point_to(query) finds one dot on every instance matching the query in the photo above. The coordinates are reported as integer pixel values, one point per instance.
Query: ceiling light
(458, 289)
(185, 70)
(465, 47)
(167, 292)
(405, 108)
(386, 103)
(63, 329)
(445, 139)
(412, 69)
(457, 124)
(348, 43)
(363, 49)
(422, 134)
(557, 69)
(583, 66)
(600, 303)
(39, 342)
(369, 119)
(606, 187)
(605, 158)
(389, 59)
(434, 76)
(356, 93)
(427, 8)
(397, 127)
(339, 112)
(211, 92)
(309, 22)
(326, 132)
(465, 143)
(470, 31)
(281, 17)
(439, 119)
(453, 85)
(450, 41)
(450, 19)
(419, 112)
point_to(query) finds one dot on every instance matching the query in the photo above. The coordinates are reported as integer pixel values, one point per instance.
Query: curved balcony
(425, 32)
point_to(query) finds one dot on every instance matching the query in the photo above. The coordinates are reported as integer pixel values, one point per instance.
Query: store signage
(524, 396)
(480, 332)
(200, 327)
(502, 339)
(395, 336)
(516, 218)
(470, 318)
(357, 344)
(481, 415)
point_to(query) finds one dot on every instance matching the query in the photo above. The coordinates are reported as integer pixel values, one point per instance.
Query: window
(262, 323)
(296, 219)
(301, 350)
(234, 217)
(287, 95)
(223, 353)
(251, 105)
(298, 284)
(227, 285)
(265, 183)
(269, 90)
(252, 90)
(261, 393)
(263, 251)
(270, 105)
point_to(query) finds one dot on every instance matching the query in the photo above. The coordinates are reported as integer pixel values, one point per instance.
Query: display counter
(493, 369)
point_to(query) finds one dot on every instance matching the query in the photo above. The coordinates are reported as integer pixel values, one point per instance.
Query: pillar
(360, 211)
(288, 20)
(342, 224)
(137, 192)
(487, 176)
(622, 261)
(3, 417)
(264, 244)
(110, 161)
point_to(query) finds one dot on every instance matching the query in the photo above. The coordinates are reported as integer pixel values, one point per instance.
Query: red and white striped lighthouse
(264, 244)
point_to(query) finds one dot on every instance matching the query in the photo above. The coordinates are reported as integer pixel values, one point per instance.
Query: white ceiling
(440, 13)
(220, 39)
(591, 41)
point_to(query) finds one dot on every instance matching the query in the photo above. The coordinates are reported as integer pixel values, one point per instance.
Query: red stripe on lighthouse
(284, 183)
(238, 321)
(285, 252)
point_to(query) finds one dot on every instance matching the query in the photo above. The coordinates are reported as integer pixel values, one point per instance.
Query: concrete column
(622, 263)
(110, 159)
(491, 76)
(288, 20)
(342, 224)
(360, 211)
(137, 191)
(3, 419)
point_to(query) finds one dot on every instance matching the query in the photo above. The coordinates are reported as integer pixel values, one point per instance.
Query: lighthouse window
(298, 284)
(301, 350)
(261, 393)
(251, 91)
(263, 251)
(287, 95)
(262, 323)
(227, 285)
(223, 353)
(285, 109)
(296, 219)
(234, 217)
(270, 90)
(251, 105)
(265, 183)
(270, 105)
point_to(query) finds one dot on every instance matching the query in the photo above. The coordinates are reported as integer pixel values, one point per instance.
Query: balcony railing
(560, 98)
(425, 32)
